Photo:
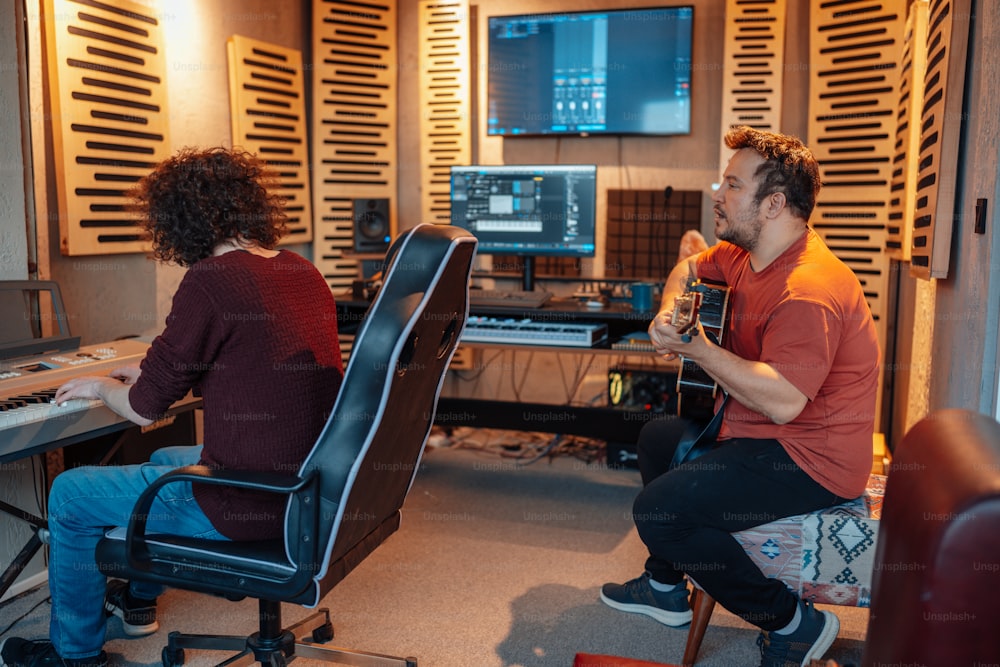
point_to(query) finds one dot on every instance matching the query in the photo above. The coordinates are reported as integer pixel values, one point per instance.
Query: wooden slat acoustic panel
(268, 117)
(353, 124)
(107, 85)
(445, 101)
(855, 47)
(753, 63)
(941, 123)
(907, 147)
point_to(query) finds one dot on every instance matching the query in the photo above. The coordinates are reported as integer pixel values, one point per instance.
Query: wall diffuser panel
(940, 122)
(906, 151)
(752, 66)
(644, 231)
(107, 85)
(855, 47)
(268, 116)
(445, 101)
(353, 124)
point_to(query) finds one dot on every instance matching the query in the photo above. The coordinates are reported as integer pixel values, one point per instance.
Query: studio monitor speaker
(371, 225)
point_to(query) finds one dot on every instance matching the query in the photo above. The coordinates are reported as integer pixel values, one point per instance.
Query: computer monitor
(622, 71)
(527, 210)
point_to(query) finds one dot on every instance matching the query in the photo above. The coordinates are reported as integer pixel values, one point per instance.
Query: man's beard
(745, 233)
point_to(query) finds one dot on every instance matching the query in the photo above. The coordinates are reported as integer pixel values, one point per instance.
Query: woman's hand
(114, 393)
(88, 387)
(127, 374)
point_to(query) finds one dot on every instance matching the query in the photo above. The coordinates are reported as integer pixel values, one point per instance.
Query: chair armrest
(272, 482)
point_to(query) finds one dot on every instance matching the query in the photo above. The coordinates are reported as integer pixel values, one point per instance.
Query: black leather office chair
(345, 501)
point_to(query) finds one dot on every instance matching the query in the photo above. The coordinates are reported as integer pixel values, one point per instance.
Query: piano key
(43, 411)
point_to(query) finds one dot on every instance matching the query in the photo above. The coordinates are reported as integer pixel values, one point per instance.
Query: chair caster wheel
(323, 633)
(172, 657)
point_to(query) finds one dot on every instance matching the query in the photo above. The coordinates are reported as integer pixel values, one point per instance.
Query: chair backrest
(937, 566)
(370, 448)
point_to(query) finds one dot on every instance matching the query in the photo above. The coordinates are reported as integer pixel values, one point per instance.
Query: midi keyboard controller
(530, 332)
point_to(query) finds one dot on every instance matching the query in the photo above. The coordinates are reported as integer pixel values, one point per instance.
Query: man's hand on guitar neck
(671, 343)
(681, 277)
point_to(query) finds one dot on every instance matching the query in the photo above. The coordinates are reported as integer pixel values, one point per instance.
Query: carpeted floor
(498, 563)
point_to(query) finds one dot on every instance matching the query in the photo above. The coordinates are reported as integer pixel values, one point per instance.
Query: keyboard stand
(16, 566)
(40, 528)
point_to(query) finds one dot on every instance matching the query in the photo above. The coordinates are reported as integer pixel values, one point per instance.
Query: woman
(254, 331)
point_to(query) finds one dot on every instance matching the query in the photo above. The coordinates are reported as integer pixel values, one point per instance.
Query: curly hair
(789, 167)
(197, 199)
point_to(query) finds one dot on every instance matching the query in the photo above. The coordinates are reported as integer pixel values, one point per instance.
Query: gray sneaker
(638, 597)
(809, 642)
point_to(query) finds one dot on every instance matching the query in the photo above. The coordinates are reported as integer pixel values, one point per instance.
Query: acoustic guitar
(704, 303)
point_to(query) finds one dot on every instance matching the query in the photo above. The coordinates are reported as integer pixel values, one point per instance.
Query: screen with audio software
(625, 71)
(527, 210)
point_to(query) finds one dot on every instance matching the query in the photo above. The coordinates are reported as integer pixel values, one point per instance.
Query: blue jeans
(83, 503)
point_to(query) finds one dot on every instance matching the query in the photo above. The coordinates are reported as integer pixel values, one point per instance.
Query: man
(253, 329)
(799, 362)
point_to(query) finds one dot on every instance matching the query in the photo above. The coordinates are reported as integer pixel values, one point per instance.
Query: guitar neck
(712, 313)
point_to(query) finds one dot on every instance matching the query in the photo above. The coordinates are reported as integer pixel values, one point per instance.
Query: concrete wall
(18, 479)
(13, 166)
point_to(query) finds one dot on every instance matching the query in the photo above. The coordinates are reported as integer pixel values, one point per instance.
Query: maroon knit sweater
(257, 338)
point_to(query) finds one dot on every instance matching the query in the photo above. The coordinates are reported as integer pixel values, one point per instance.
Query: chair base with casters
(825, 557)
(275, 645)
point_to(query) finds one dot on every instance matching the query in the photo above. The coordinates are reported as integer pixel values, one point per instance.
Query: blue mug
(642, 296)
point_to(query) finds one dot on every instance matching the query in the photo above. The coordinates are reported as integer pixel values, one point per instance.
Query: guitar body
(707, 304)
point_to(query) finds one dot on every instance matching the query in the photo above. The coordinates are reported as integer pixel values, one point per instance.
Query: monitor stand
(528, 278)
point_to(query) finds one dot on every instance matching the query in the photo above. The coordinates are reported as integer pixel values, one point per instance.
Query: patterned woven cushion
(825, 556)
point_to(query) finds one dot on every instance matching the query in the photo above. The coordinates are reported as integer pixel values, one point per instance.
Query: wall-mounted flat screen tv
(624, 71)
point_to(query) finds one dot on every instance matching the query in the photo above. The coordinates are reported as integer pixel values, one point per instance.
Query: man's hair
(196, 199)
(789, 167)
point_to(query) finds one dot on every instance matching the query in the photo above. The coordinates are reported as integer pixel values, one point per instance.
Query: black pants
(686, 516)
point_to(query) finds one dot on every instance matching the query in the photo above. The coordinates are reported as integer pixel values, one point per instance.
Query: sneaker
(637, 596)
(809, 642)
(17, 652)
(138, 616)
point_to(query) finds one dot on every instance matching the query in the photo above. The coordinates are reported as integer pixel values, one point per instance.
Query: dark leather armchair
(937, 565)
(346, 498)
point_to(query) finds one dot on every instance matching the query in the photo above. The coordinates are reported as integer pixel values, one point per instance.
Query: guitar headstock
(685, 315)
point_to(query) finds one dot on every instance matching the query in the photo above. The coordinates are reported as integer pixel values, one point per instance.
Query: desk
(600, 422)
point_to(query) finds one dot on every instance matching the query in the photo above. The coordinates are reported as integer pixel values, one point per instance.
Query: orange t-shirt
(805, 315)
